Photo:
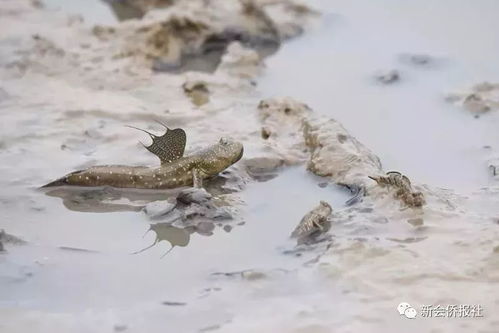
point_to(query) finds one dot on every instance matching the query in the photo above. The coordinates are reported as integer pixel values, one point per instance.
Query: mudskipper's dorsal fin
(168, 147)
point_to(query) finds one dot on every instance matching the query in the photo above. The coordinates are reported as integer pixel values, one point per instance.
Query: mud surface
(111, 260)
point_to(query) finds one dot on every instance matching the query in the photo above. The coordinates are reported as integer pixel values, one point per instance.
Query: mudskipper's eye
(224, 141)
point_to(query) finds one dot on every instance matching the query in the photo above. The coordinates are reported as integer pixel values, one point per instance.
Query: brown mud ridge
(194, 35)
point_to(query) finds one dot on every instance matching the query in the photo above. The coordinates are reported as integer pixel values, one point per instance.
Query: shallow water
(407, 123)
(93, 11)
(81, 260)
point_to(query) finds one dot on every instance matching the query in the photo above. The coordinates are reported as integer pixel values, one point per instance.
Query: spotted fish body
(403, 188)
(314, 223)
(393, 178)
(175, 171)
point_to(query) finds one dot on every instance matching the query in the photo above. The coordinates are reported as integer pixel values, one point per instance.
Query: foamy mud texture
(193, 35)
(481, 98)
(282, 123)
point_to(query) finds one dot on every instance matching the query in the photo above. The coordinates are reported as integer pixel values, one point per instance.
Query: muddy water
(448, 258)
(407, 123)
(77, 272)
(93, 11)
(79, 268)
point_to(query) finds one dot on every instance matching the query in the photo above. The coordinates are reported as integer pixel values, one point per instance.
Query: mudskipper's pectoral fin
(168, 147)
(197, 178)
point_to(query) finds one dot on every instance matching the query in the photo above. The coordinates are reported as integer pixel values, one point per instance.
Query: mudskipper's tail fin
(59, 182)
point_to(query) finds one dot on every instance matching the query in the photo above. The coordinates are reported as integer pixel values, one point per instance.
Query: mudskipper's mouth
(240, 155)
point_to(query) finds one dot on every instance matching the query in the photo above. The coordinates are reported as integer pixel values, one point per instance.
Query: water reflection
(175, 226)
(107, 199)
(174, 235)
(177, 236)
(271, 220)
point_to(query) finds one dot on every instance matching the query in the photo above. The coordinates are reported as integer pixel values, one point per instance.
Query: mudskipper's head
(222, 155)
(326, 207)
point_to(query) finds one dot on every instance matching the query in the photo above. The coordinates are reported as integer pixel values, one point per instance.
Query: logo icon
(407, 310)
